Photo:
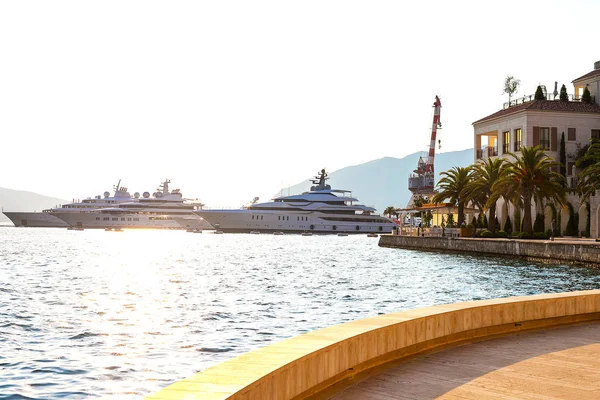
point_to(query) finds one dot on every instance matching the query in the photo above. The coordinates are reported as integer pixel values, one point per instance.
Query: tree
(508, 225)
(571, 229)
(479, 190)
(538, 225)
(389, 211)
(419, 201)
(563, 157)
(586, 97)
(530, 177)
(452, 187)
(589, 178)
(511, 86)
(450, 222)
(563, 93)
(539, 94)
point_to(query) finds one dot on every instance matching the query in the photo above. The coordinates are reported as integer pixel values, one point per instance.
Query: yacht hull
(244, 221)
(98, 220)
(35, 219)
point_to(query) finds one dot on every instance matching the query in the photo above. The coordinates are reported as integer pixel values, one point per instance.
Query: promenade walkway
(543, 346)
(558, 363)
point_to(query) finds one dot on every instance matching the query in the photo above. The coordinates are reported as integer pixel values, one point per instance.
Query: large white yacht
(46, 219)
(321, 210)
(162, 210)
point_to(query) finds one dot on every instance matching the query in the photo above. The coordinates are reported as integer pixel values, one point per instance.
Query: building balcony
(487, 152)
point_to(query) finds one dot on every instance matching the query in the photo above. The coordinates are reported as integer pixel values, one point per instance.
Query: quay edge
(564, 251)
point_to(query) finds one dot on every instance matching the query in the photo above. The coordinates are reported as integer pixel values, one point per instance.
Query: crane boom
(436, 124)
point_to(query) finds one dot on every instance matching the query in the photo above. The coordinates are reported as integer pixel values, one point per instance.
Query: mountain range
(19, 200)
(379, 183)
(384, 182)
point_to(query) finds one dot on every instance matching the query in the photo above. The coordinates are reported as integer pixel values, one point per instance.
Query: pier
(511, 347)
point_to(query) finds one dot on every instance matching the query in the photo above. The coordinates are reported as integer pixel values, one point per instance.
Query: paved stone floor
(559, 363)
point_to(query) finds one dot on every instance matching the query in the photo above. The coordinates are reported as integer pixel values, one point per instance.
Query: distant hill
(384, 182)
(18, 200)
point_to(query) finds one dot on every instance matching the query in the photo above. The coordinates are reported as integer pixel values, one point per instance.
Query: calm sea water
(123, 314)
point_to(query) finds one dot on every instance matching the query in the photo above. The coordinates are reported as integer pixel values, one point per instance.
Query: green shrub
(540, 235)
(525, 235)
(563, 93)
(587, 96)
(548, 232)
(539, 94)
(515, 234)
(501, 234)
(486, 234)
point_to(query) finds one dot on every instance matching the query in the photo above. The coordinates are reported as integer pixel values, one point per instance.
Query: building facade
(529, 122)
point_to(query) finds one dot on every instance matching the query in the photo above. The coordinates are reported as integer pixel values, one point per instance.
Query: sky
(236, 99)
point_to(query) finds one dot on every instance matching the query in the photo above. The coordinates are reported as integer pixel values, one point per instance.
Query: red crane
(421, 182)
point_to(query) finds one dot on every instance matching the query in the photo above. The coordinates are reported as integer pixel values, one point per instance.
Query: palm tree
(530, 178)
(452, 187)
(389, 211)
(589, 178)
(479, 190)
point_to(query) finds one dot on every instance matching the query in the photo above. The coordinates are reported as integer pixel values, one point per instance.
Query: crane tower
(422, 180)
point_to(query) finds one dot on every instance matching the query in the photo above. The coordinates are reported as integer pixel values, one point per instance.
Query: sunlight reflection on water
(97, 313)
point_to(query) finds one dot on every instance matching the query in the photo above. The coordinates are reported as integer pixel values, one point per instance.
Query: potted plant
(465, 231)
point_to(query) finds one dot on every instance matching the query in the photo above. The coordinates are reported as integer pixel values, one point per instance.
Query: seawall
(576, 251)
(307, 365)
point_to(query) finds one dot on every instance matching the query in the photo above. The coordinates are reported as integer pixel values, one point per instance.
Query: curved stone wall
(304, 365)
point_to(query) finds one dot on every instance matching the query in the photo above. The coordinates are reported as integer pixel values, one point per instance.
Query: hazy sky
(235, 99)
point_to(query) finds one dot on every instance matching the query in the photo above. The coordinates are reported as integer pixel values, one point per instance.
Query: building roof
(546, 105)
(595, 72)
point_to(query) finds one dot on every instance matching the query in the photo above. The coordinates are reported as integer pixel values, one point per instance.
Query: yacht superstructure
(163, 209)
(321, 210)
(47, 219)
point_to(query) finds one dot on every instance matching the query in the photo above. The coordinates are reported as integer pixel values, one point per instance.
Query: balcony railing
(487, 152)
(531, 97)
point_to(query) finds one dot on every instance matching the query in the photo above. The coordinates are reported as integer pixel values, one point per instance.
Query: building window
(106, 218)
(128, 219)
(518, 138)
(545, 138)
(595, 133)
(261, 217)
(506, 142)
(570, 166)
(115, 219)
(571, 134)
(122, 219)
(97, 218)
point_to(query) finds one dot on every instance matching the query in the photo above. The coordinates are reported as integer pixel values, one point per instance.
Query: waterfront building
(529, 122)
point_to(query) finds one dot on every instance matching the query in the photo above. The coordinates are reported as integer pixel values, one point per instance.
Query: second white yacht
(321, 210)
(163, 210)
